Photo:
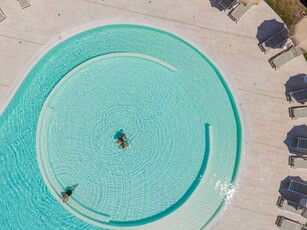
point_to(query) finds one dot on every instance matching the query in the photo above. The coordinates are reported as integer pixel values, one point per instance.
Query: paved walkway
(233, 49)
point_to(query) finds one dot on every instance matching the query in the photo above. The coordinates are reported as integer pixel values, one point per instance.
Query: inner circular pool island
(182, 127)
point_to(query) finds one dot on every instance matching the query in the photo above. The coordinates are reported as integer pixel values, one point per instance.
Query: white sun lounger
(226, 4)
(285, 57)
(288, 224)
(2, 16)
(298, 162)
(291, 206)
(299, 96)
(275, 41)
(237, 13)
(298, 112)
(24, 3)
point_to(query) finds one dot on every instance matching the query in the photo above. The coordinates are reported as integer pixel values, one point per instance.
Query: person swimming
(124, 145)
(68, 193)
(122, 141)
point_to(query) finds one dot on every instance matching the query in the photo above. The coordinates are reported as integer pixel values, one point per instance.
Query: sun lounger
(285, 57)
(24, 3)
(2, 16)
(297, 96)
(296, 187)
(298, 112)
(291, 206)
(301, 143)
(275, 41)
(226, 4)
(298, 162)
(288, 224)
(237, 13)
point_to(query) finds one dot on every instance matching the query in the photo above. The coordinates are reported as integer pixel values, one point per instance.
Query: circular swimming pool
(181, 122)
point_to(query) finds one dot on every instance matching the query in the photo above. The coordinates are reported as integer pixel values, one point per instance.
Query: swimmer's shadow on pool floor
(118, 134)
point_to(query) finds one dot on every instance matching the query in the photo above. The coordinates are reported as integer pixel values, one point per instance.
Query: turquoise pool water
(162, 92)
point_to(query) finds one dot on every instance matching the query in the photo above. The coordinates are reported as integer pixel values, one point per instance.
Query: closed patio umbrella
(298, 34)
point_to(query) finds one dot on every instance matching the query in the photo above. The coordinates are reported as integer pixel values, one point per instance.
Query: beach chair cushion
(237, 13)
(298, 162)
(298, 112)
(288, 224)
(285, 57)
(24, 3)
(290, 206)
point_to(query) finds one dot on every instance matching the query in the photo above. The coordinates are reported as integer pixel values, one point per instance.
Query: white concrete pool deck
(233, 49)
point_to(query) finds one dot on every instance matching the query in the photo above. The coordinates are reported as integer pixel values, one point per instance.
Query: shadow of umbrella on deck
(214, 3)
(288, 194)
(290, 142)
(268, 28)
(296, 82)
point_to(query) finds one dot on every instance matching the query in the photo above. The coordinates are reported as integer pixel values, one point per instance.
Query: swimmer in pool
(123, 145)
(122, 141)
(68, 193)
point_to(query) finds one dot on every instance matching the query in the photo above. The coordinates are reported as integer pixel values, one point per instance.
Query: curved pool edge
(235, 184)
(234, 99)
(242, 145)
